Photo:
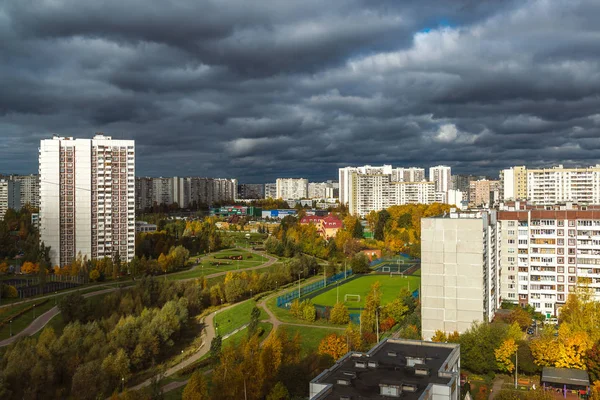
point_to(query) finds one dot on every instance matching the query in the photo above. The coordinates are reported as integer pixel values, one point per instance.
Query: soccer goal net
(352, 297)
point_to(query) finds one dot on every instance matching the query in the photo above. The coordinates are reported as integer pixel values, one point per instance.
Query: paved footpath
(43, 319)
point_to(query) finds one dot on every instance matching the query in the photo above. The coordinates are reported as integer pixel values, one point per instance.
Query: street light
(33, 311)
(10, 327)
(122, 384)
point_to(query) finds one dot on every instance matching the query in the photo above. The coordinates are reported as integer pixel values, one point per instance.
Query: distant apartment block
(291, 188)
(30, 189)
(442, 176)
(366, 189)
(87, 197)
(249, 191)
(270, 190)
(547, 251)
(323, 190)
(459, 271)
(142, 226)
(185, 191)
(10, 196)
(394, 368)
(484, 193)
(552, 185)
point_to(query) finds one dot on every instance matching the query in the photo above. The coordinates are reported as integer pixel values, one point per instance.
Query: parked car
(530, 331)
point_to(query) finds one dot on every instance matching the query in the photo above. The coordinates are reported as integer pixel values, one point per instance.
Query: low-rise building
(142, 226)
(394, 368)
(327, 226)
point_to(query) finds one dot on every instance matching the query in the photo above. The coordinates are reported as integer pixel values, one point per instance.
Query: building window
(511, 223)
(571, 270)
(548, 305)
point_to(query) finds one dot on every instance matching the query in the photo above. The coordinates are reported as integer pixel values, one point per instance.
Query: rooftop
(566, 376)
(409, 366)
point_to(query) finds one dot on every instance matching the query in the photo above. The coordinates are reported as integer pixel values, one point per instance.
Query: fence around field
(285, 300)
(405, 258)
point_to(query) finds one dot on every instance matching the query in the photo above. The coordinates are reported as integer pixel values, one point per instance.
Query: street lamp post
(10, 327)
(516, 365)
(122, 384)
(337, 289)
(377, 322)
(298, 286)
(33, 311)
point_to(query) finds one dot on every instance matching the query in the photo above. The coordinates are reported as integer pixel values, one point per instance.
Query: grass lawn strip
(390, 287)
(236, 317)
(309, 337)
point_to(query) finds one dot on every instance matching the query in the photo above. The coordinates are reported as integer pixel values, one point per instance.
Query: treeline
(101, 347)
(398, 228)
(18, 237)
(489, 348)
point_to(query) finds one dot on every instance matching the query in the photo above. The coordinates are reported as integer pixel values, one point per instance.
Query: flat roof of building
(409, 364)
(565, 376)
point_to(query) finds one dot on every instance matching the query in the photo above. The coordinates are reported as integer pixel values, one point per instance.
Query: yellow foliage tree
(30, 268)
(334, 345)
(572, 348)
(3, 267)
(439, 337)
(543, 348)
(504, 355)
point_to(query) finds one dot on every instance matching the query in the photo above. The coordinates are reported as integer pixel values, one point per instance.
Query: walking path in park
(43, 319)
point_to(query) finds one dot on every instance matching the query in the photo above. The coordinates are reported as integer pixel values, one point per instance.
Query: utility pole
(516, 365)
(298, 286)
(337, 288)
(377, 322)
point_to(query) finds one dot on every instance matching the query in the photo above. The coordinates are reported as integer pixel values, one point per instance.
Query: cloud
(266, 89)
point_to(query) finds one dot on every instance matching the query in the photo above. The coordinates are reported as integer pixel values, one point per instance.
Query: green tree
(74, 307)
(215, 348)
(477, 346)
(339, 314)
(254, 318)
(360, 264)
(279, 392)
(196, 388)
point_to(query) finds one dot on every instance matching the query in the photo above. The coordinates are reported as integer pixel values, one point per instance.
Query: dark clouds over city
(259, 89)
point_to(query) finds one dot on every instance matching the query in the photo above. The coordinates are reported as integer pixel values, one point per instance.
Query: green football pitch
(390, 287)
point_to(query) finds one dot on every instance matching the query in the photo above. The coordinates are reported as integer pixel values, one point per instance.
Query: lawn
(236, 338)
(390, 287)
(231, 319)
(309, 337)
(24, 320)
(206, 267)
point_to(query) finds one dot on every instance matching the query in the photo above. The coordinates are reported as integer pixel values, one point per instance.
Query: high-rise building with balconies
(87, 197)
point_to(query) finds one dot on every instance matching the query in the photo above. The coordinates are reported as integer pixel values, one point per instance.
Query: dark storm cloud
(256, 90)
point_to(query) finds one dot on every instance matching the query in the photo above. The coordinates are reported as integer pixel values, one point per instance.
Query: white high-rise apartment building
(546, 252)
(87, 197)
(411, 174)
(345, 177)
(552, 185)
(459, 271)
(10, 196)
(291, 189)
(442, 176)
(270, 190)
(30, 189)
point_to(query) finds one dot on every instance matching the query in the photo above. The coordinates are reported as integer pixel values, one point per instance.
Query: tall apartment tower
(459, 271)
(514, 183)
(290, 188)
(30, 189)
(10, 196)
(442, 176)
(87, 197)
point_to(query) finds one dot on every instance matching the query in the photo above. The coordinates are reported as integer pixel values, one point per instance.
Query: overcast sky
(260, 89)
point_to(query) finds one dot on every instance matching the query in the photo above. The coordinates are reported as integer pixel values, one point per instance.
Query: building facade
(87, 197)
(249, 191)
(30, 189)
(10, 196)
(547, 252)
(459, 271)
(291, 188)
(484, 193)
(394, 368)
(322, 190)
(442, 176)
(552, 185)
(270, 190)
(373, 189)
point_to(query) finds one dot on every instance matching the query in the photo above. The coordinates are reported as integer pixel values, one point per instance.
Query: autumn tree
(339, 314)
(543, 348)
(196, 388)
(439, 336)
(372, 304)
(520, 316)
(504, 355)
(592, 361)
(333, 345)
(354, 337)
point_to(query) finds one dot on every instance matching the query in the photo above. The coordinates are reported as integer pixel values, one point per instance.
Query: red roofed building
(326, 226)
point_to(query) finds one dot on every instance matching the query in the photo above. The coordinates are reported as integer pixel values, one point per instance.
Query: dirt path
(496, 388)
